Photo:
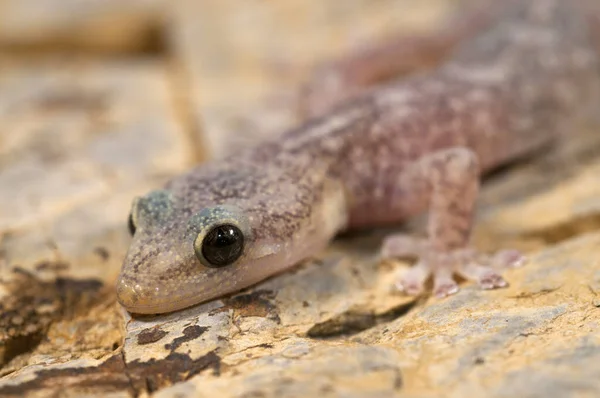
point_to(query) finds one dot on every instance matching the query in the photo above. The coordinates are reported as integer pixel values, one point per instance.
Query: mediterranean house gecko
(513, 82)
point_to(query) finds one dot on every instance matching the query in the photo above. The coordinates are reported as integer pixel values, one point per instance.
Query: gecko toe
(410, 288)
(492, 281)
(412, 282)
(446, 289)
(483, 273)
(509, 258)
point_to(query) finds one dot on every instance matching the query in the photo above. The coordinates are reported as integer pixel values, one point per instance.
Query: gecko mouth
(140, 298)
(145, 301)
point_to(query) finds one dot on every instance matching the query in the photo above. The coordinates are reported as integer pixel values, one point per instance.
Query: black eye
(222, 245)
(131, 224)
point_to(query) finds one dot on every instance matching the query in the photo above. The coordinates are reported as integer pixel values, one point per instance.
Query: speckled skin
(521, 78)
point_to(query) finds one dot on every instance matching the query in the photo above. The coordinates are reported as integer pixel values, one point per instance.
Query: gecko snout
(127, 295)
(136, 298)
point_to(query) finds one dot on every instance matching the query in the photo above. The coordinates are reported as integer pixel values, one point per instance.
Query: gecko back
(413, 145)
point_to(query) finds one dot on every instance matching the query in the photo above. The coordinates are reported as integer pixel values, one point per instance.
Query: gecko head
(181, 256)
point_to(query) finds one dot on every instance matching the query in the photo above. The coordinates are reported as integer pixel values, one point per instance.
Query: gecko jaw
(207, 284)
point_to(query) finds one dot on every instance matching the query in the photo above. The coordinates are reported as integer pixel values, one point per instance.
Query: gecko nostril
(138, 298)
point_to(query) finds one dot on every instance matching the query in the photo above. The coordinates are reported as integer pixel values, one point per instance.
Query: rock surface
(81, 135)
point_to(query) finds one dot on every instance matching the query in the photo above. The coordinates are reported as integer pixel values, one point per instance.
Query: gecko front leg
(448, 181)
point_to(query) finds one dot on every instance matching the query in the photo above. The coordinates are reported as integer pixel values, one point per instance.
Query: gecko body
(398, 149)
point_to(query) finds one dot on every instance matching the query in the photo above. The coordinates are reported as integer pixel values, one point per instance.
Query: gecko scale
(512, 82)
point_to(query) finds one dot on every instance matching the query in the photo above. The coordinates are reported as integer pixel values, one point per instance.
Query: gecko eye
(221, 246)
(132, 218)
(131, 224)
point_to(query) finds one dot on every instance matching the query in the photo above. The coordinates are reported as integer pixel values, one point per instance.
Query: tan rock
(71, 164)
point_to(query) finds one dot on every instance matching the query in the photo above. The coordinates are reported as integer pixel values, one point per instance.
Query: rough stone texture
(81, 135)
(71, 161)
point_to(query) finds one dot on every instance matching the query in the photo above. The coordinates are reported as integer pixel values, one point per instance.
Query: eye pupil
(223, 245)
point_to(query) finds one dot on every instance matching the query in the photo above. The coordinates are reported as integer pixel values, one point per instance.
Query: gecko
(517, 79)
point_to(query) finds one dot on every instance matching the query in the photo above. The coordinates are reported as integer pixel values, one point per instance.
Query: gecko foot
(442, 266)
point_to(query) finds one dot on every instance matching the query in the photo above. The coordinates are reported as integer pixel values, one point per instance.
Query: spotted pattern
(519, 83)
